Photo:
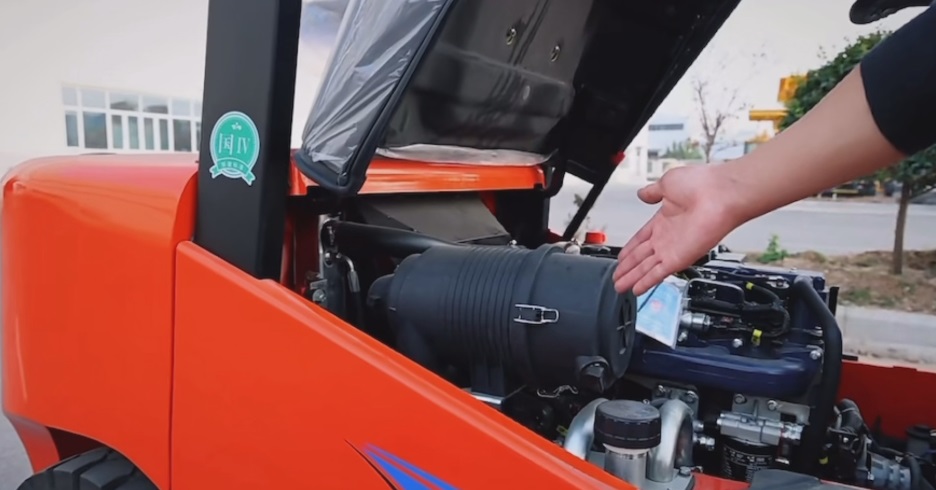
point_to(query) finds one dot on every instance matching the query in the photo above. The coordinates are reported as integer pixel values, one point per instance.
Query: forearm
(837, 141)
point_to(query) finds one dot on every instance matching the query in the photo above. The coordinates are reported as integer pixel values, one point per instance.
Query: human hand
(696, 214)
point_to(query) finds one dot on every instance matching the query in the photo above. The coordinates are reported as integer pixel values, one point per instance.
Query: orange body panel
(278, 393)
(896, 394)
(88, 273)
(393, 176)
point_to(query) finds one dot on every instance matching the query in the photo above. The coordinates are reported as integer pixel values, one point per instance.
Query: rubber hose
(748, 312)
(851, 415)
(691, 273)
(916, 473)
(820, 417)
(771, 297)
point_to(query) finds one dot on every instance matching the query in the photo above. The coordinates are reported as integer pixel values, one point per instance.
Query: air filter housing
(507, 316)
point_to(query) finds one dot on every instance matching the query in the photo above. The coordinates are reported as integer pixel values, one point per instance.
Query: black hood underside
(569, 81)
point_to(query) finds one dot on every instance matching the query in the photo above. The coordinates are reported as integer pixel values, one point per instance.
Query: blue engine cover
(766, 371)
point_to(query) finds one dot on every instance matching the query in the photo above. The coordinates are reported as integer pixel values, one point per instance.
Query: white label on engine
(658, 312)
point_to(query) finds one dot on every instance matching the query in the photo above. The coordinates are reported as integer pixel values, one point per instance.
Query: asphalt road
(828, 227)
(14, 467)
(839, 227)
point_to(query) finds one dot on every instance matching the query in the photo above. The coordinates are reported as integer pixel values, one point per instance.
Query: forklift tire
(100, 469)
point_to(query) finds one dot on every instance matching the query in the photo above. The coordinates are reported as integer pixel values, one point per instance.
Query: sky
(789, 34)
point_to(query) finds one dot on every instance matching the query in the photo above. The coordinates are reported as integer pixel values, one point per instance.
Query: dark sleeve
(900, 84)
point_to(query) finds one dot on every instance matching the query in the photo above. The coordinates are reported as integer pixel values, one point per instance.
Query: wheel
(100, 469)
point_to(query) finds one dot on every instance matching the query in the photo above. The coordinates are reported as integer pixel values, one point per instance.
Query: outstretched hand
(696, 214)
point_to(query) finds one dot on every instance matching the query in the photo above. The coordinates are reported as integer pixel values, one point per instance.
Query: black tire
(100, 469)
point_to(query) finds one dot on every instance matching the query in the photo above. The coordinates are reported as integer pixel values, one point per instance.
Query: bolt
(772, 405)
(690, 397)
(318, 296)
(737, 343)
(740, 399)
(815, 354)
(683, 335)
(511, 36)
(555, 53)
(662, 391)
(685, 471)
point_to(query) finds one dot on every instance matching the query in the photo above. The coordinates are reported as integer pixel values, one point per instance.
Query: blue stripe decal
(400, 477)
(400, 461)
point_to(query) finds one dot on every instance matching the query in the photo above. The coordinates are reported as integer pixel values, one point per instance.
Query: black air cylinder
(510, 315)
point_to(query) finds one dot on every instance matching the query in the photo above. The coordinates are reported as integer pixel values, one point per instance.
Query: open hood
(562, 83)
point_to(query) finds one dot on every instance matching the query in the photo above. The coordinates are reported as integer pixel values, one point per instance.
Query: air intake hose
(821, 415)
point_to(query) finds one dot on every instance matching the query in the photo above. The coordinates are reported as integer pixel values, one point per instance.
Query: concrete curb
(886, 334)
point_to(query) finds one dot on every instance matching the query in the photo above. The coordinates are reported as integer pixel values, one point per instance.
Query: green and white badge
(235, 147)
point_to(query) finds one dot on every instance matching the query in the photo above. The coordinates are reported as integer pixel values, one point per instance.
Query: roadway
(838, 227)
(827, 227)
(14, 467)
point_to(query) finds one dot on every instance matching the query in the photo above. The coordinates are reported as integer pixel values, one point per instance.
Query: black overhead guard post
(243, 170)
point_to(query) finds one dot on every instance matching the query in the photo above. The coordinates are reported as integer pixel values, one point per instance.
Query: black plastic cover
(628, 424)
(494, 85)
(375, 50)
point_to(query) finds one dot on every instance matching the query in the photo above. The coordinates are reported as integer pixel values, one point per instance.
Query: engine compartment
(727, 369)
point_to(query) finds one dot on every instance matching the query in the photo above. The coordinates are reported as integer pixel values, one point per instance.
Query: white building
(664, 131)
(118, 75)
(126, 76)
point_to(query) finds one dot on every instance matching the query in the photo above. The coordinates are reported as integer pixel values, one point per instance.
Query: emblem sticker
(235, 147)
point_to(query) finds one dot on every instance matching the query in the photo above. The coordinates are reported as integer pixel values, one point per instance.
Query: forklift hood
(562, 83)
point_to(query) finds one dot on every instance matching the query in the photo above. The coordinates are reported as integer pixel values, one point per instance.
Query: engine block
(713, 352)
(740, 376)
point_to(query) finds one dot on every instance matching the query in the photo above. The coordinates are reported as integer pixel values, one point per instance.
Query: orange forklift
(386, 307)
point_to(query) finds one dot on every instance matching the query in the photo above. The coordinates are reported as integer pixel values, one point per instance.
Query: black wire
(917, 482)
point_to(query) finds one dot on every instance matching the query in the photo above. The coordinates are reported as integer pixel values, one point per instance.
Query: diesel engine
(727, 368)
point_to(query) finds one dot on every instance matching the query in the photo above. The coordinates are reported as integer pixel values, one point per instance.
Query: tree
(718, 101)
(713, 116)
(686, 150)
(917, 174)
(820, 81)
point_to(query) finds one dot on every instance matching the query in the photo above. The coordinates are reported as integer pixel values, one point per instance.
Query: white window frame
(193, 117)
